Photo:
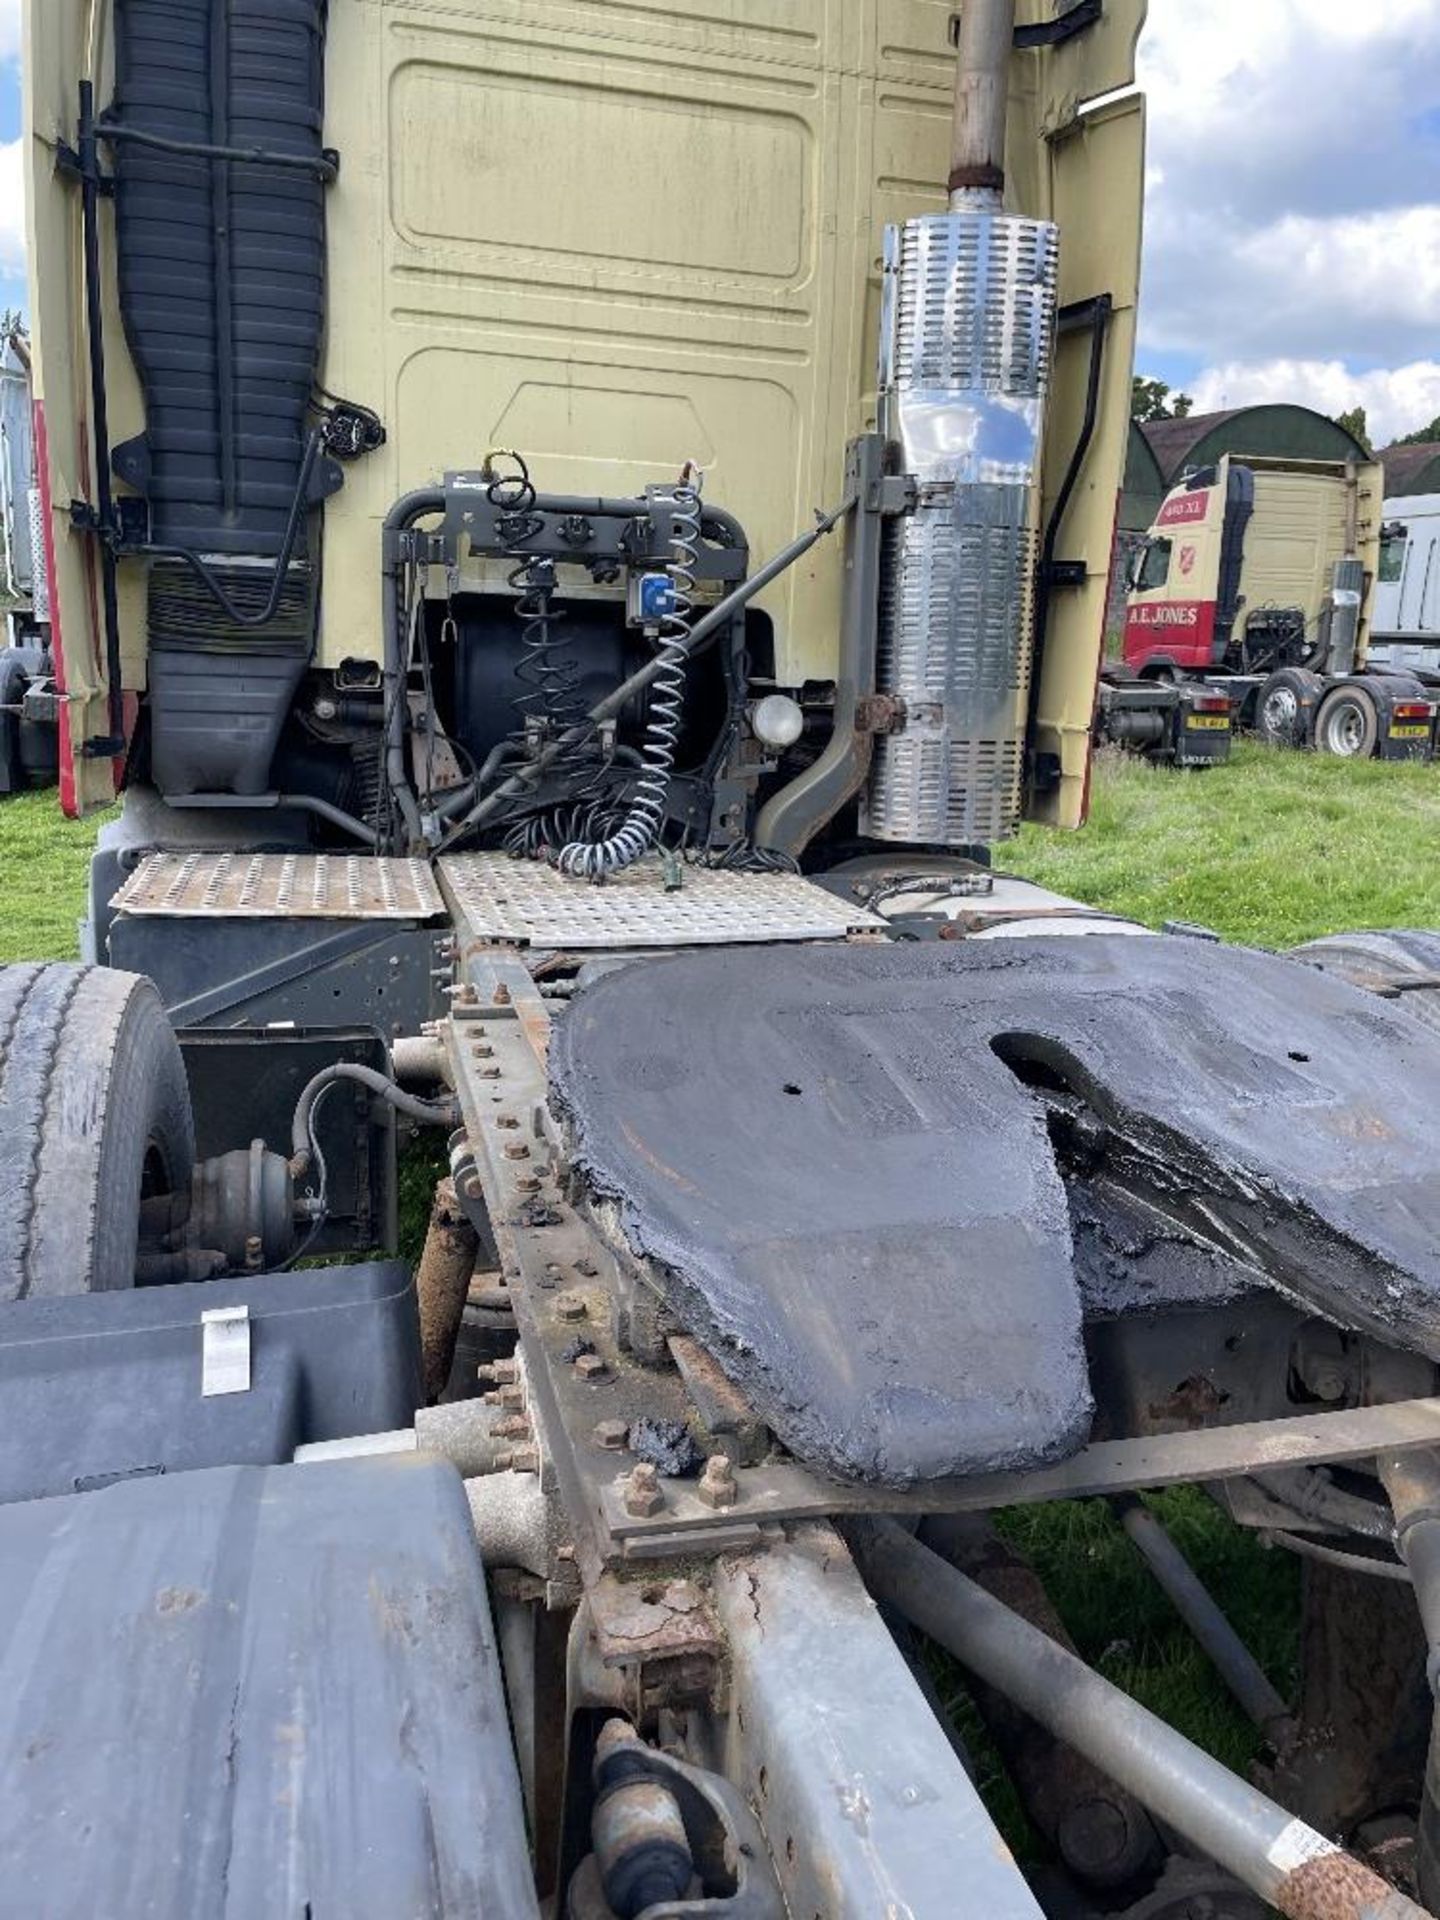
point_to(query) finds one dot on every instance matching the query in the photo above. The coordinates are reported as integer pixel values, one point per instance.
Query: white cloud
(1396, 399)
(12, 210)
(9, 30)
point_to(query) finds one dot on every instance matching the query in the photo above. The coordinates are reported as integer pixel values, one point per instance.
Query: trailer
(576, 533)
(1258, 580)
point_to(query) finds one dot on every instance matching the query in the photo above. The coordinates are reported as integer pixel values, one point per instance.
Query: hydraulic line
(432, 1113)
(520, 785)
(597, 859)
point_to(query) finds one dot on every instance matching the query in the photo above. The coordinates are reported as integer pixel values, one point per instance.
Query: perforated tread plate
(285, 886)
(527, 904)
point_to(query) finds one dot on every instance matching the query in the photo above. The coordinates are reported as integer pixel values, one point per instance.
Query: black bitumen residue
(668, 1445)
(890, 1264)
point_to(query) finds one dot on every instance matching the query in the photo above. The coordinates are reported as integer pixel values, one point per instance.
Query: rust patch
(1337, 1887)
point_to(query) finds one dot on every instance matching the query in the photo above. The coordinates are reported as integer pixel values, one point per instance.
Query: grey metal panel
(285, 886)
(528, 903)
(834, 1743)
(290, 1703)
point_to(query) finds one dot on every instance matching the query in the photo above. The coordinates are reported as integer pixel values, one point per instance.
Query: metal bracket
(1047, 33)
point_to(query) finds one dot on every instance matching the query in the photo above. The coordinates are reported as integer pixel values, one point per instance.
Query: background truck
(583, 740)
(1405, 621)
(1257, 580)
(28, 708)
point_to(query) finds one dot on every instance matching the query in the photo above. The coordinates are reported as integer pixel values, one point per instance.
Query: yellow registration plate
(1214, 721)
(1409, 731)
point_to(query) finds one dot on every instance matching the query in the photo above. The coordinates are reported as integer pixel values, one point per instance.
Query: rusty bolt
(570, 1306)
(516, 1150)
(565, 1552)
(644, 1495)
(528, 1183)
(502, 1372)
(591, 1367)
(513, 1427)
(586, 1266)
(506, 1120)
(465, 995)
(487, 1073)
(612, 1435)
(519, 1460)
(482, 1049)
(501, 995)
(506, 1396)
(717, 1484)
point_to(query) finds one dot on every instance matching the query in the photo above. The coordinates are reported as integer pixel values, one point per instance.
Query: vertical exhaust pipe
(967, 333)
(982, 82)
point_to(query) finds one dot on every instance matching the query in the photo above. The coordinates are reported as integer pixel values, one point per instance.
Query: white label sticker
(1296, 1845)
(224, 1351)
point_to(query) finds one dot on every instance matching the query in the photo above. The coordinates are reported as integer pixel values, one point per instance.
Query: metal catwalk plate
(841, 1176)
(285, 886)
(531, 905)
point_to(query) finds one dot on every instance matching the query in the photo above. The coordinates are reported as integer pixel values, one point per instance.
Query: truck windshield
(1154, 568)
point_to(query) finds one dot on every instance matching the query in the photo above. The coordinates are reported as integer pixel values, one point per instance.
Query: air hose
(598, 859)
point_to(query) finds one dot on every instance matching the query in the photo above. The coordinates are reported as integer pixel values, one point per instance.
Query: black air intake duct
(221, 266)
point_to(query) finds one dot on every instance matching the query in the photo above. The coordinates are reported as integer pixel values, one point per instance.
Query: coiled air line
(596, 860)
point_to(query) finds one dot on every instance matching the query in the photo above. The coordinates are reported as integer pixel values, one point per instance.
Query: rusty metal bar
(442, 1281)
(1283, 1860)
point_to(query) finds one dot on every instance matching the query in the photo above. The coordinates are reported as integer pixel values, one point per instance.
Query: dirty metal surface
(283, 886)
(526, 903)
(825, 1736)
(854, 1202)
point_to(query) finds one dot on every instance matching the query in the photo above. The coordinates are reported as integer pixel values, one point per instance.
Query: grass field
(1272, 849)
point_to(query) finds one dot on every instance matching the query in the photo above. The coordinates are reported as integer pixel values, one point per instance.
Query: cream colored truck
(435, 398)
(1257, 580)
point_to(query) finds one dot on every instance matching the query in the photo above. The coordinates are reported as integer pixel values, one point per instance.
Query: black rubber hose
(432, 1113)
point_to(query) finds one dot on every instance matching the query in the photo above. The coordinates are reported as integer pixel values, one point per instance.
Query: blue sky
(12, 284)
(1292, 245)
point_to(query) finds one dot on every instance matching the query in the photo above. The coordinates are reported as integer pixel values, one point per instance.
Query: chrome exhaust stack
(967, 334)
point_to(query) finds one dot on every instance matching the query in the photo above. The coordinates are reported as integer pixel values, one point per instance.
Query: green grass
(44, 866)
(1272, 849)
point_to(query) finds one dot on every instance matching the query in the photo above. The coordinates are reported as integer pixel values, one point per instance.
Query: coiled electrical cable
(597, 859)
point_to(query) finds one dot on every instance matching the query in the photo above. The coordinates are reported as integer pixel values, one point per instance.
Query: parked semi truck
(1406, 618)
(575, 531)
(28, 705)
(1258, 581)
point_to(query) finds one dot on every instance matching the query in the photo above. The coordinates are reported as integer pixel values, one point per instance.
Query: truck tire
(1373, 960)
(1285, 705)
(1348, 724)
(94, 1116)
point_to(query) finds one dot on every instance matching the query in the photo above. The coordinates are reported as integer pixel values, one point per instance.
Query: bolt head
(570, 1306)
(528, 1183)
(516, 1150)
(506, 1120)
(612, 1435)
(591, 1366)
(717, 1483)
(487, 1073)
(643, 1493)
(501, 995)
(525, 1460)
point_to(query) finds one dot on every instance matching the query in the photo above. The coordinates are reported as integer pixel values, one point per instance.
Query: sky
(1292, 231)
